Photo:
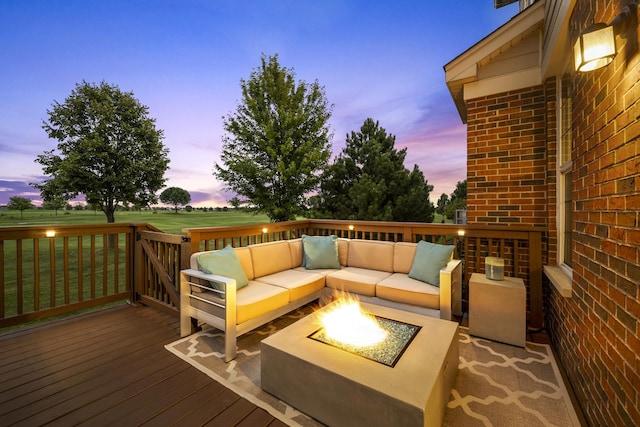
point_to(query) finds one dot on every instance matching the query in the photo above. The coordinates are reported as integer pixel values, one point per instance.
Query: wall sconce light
(351, 228)
(264, 230)
(461, 233)
(50, 233)
(596, 46)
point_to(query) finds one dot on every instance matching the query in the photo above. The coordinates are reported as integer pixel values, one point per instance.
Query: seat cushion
(400, 287)
(252, 301)
(360, 281)
(299, 283)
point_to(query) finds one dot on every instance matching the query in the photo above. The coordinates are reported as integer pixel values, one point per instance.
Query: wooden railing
(51, 270)
(46, 271)
(521, 247)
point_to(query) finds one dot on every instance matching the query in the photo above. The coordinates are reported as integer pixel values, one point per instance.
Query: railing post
(137, 260)
(535, 278)
(185, 253)
(407, 234)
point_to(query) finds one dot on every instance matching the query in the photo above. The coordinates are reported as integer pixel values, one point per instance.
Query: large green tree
(368, 181)
(108, 149)
(277, 141)
(175, 196)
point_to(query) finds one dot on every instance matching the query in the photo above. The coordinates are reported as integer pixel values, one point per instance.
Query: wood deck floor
(111, 368)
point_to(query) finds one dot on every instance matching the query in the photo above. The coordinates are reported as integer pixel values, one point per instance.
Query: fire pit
(338, 386)
(348, 327)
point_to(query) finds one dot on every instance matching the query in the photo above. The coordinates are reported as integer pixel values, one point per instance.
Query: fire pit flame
(349, 324)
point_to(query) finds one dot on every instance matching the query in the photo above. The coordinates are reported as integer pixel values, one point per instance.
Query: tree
(54, 203)
(442, 203)
(235, 203)
(19, 204)
(175, 196)
(108, 149)
(277, 142)
(368, 181)
(458, 199)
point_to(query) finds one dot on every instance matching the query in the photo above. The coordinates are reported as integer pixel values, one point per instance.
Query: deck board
(111, 368)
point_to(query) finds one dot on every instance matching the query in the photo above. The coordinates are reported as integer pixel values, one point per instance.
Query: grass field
(167, 221)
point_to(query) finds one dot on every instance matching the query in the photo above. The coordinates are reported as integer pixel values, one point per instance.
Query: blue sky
(184, 59)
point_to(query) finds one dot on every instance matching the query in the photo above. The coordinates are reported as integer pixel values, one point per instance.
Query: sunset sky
(184, 59)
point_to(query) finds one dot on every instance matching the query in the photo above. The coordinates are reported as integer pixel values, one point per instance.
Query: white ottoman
(498, 309)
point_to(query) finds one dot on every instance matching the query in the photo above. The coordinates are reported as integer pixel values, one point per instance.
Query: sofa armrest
(451, 289)
(229, 294)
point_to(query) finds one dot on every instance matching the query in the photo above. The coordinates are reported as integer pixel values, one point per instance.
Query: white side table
(498, 309)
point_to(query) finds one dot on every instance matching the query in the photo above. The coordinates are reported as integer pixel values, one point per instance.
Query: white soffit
(506, 82)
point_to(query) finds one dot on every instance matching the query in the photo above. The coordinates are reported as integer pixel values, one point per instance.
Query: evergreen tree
(368, 181)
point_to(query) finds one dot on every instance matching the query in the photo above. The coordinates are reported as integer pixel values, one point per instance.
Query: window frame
(564, 170)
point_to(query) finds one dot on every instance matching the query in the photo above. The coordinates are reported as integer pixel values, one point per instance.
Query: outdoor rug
(496, 385)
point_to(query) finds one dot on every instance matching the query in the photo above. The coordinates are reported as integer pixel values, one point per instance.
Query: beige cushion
(244, 255)
(373, 255)
(343, 250)
(322, 271)
(298, 283)
(403, 254)
(295, 249)
(356, 280)
(269, 258)
(401, 288)
(252, 301)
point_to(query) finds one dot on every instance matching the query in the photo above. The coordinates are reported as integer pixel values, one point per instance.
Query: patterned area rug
(496, 385)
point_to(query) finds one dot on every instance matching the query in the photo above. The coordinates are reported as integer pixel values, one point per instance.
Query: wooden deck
(111, 368)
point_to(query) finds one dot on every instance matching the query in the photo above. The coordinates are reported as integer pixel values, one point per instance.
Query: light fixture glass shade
(595, 48)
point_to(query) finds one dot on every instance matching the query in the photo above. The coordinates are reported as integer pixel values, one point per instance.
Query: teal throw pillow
(224, 263)
(429, 260)
(320, 252)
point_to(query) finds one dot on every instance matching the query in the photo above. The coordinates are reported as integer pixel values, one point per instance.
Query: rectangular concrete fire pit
(340, 388)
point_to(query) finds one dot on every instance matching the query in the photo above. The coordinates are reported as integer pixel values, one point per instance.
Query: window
(565, 175)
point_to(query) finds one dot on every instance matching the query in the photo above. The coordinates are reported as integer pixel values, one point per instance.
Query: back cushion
(403, 255)
(295, 248)
(244, 255)
(343, 251)
(374, 255)
(269, 258)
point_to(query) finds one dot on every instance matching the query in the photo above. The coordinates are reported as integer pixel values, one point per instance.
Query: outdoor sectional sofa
(238, 289)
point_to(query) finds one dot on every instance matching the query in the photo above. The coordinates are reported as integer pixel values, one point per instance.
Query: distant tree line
(275, 157)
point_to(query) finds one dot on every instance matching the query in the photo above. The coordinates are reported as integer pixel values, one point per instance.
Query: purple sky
(184, 59)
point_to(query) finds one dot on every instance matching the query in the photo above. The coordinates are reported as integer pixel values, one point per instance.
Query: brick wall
(511, 164)
(506, 160)
(596, 332)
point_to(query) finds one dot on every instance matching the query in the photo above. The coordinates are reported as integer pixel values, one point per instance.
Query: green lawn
(167, 221)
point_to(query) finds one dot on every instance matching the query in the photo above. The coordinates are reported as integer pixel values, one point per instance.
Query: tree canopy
(108, 149)
(19, 204)
(277, 142)
(175, 196)
(368, 181)
(458, 199)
